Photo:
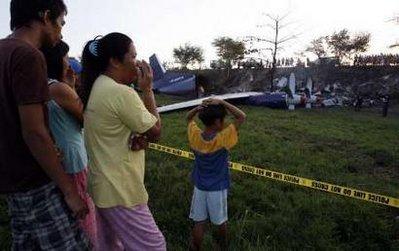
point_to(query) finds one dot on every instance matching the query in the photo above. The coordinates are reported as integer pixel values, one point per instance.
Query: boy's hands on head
(212, 101)
(191, 114)
(199, 108)
(239, 116)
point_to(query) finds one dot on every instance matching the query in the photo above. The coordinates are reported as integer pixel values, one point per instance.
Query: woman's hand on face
(70, 78)
(145, 76)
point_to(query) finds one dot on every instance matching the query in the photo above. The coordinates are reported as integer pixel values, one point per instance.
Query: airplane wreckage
(285, 98)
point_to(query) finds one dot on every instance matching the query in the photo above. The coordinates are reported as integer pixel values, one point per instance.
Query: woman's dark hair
(211, 113)
(96, 57)
(25, 11)
(55, 60)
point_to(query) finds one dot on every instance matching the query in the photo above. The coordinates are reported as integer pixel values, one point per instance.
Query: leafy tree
(343, 46)
(188, 55)
(319, 47)
(229, 50)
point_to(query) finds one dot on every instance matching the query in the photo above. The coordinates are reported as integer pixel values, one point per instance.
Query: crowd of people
(73, 139)
(266, 64)
(376, 60)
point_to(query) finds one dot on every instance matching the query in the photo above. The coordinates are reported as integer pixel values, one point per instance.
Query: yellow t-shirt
(211, 168)
(226, 139)
(116, 174)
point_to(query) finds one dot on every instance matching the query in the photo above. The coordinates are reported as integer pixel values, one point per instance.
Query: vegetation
(188, 55)
(338, 146)
(229, 51)
(319, 47)
(340, 44)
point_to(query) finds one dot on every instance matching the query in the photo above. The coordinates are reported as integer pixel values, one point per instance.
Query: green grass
(339, 146)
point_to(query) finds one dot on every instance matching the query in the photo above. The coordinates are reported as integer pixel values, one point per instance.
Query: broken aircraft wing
(196, 102)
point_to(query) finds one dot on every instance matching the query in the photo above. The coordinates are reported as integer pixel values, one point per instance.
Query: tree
(188, 54)
(319, 47)
(343, 46)
(168, 65)
(229, 50)
(259, 45)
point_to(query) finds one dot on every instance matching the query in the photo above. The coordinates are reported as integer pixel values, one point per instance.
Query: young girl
(66, 120)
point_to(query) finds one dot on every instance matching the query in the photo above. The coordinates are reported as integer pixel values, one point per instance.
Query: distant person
(211, 176)
(358, 103)
(113, 112)
(385, 105)
(66, 121)
(200, 91)
(42, 200)
(201, 81)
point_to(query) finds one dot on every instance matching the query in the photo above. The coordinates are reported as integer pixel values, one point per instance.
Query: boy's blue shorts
(209, 204)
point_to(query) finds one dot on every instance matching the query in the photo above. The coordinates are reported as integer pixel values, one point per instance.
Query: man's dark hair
(23, 12)
(55, 60)
(211, 113)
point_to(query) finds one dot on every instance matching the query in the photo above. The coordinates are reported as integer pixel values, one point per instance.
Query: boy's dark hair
(23, 12)
(55, 60)
(211, 113)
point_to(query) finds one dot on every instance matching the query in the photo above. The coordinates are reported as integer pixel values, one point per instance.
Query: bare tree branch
(273, 27)
(271, 17)
(394, 19)
(285, 16)
(277, 18)
(264, 49)
(286, 39)
(282, 26)
(257, 39)
(276, 23)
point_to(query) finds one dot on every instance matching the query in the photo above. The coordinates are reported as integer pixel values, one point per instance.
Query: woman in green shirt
(113, 112)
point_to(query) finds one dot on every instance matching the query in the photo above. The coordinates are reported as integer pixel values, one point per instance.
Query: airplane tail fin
(157, 67)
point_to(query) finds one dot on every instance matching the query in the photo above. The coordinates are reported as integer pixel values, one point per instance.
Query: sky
(158, 26)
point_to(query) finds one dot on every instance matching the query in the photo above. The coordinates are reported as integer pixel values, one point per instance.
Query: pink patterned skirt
(88, 224)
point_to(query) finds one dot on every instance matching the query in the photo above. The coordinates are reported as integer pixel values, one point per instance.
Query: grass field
(340, 146)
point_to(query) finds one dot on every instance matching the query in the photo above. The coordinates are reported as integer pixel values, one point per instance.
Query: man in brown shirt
(43, 203)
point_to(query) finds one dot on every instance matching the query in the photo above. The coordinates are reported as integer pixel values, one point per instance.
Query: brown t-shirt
(23, 81)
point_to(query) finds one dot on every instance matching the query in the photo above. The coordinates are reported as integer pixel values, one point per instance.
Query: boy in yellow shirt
(211, 175)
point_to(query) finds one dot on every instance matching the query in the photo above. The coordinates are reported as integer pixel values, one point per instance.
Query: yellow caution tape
(304, 182)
